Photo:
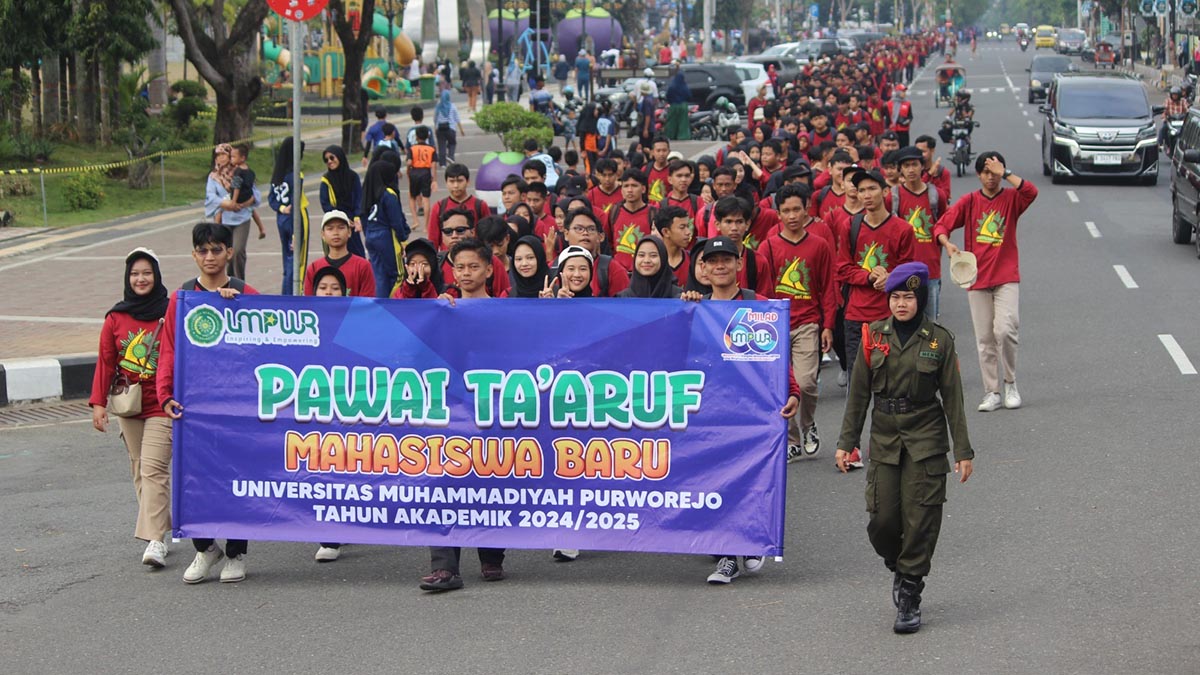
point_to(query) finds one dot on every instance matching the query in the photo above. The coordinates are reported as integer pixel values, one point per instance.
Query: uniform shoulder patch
(947, 330)
(882, 326)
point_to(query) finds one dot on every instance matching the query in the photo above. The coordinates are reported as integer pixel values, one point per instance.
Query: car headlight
(1061, 129)
(1035, 83)
(1147, 132)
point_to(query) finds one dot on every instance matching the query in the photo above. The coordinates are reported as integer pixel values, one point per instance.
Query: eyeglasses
(329, 158)
(583, 229)
(455, 230)
(214, 251)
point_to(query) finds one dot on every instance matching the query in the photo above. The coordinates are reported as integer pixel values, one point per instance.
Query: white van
(753, 75)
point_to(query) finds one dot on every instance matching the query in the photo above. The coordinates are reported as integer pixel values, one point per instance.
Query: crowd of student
(814, 201)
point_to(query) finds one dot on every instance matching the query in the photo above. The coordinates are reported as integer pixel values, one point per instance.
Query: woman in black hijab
(529, 268)
(341, 189)
(701, 178)
(697, 280)
(129, 349)
(652, 277)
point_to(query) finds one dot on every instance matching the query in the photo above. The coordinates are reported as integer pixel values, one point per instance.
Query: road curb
(46, 378)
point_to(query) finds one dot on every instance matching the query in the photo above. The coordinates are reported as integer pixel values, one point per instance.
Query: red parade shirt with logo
(889, 245)
(990, 231)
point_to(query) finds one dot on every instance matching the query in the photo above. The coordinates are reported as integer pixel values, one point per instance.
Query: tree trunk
(66, 89)
(355, 50)
(50, 85)
(14, 109)
(110, 108)
(226, 58)
(157, 62)
(35, 100)
(86, 100)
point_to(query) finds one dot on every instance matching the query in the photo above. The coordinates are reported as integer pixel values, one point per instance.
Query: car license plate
(1109, 158)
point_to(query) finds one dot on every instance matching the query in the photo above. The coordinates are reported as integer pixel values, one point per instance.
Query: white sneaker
(327, 554)
(752, 563)
(812, 440)
(1012, 399)
(155, 554)
(842, 378)
(234, 570)
(990, 402)
(203, 562)
(566, 554)
(727, 570)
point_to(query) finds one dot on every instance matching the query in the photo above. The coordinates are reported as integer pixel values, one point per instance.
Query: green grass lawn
(185, 181)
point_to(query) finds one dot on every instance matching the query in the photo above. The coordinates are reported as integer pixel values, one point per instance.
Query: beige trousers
(994, 314)
(149, 445)
(806, 362)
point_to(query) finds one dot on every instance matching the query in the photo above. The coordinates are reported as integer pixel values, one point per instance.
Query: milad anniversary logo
(750, 336)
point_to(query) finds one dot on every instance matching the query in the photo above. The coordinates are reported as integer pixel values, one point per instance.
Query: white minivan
(753, 75)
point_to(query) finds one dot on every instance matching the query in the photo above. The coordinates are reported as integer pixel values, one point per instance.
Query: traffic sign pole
(297, 196)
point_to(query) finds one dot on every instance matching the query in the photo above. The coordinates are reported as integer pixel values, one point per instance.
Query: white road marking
(53, 256)
(1072, 196)
(984, 90)
(1181, 360)
(1091, 227)
(1037, 137)
(1030, 122)
(1025, 113)
(51, 319)
(1010, 82)
(1126, 278)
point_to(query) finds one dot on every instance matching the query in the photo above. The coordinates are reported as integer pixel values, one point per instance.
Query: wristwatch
(1007, 173)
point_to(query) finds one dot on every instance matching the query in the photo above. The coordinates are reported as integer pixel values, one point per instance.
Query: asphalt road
(1069, 551)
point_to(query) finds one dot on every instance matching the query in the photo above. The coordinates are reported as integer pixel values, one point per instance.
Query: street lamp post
(502, 76)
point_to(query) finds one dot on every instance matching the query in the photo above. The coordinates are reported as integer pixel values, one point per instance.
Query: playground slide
(282, 57)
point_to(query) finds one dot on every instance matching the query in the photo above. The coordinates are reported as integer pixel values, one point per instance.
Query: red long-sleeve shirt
(993, 231)
(125, 345)
(433, 225)
(824, 202)
(602, 202)
(942, 183)
(800, 271)
(165, 379)
(500, 282)
(625, 228)
(360, 280)
(761, 225)
(657, 184)
(914, 209)
(889, 245)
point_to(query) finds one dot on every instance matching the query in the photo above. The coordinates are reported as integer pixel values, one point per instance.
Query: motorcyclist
(727, 116)
(1176, 107)
(571, 102)
(963, 110)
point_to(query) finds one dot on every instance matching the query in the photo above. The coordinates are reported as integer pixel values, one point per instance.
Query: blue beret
(909, 276)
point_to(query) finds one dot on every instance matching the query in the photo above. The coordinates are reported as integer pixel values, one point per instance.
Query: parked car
(753, 75)
(819, 48)
(1042, 72)
(1070, 41)
(864, 38)
(847, 46)
(1185, 182)
(710, 81)
(788, 68)
(1099, 125)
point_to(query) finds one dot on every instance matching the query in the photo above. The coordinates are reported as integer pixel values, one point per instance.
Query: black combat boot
(908, 612)
(896, 577)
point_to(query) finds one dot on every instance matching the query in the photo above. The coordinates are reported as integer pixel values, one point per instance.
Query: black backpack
(935, 202)
(855, 227)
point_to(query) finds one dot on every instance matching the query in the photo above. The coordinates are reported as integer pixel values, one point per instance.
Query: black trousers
(233, 547)
(839, 338)
(447, 557)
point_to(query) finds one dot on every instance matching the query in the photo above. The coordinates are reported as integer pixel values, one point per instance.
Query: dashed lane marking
(1126, 278)
(1092, 229)
(1030, 122)
(52, 319)
(1072, 196)
(1182, 362)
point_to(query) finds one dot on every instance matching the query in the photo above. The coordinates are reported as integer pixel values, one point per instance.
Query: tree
(225, 57)
(355, 49)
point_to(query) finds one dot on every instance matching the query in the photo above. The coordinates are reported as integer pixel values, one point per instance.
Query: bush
(84, 191)
(501, 118)
(189, 104)
(32, 149)
(195, 133)
(515, 139)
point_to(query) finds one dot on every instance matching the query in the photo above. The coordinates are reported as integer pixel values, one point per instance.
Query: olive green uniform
(906, 477)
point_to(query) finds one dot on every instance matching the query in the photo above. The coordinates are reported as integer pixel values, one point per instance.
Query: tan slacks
(149, 445)
(994, 314)
(806, 362)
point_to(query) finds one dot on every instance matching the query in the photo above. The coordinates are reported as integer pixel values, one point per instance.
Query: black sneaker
(812, 441)
(795, 453)
(727, 570)
(441, 580)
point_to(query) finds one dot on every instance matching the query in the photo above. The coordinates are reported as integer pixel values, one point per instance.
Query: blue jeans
(383, 260)
(933, 306)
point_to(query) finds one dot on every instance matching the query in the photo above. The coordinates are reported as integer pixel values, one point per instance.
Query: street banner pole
(297, 196)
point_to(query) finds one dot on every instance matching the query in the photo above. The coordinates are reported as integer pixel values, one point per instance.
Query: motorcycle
(1024, 42)
(1173, 125)
(1189, 87)
(957, 132)
(702, 124)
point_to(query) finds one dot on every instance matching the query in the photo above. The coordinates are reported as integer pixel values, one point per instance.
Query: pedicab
(950, 78)
(1105, 56)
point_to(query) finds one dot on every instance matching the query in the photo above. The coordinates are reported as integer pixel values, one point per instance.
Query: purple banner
(634, 425)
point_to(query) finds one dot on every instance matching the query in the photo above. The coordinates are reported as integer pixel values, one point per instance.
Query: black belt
(895, 406)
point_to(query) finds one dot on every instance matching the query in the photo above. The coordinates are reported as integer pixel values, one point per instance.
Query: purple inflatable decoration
(512, 29)
(604, 31)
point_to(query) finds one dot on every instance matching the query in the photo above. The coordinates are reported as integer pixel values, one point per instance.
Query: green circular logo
(204, 326)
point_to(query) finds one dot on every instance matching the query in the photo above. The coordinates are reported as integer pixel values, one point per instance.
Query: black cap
(862, 174)
(719, 245)
(889, 135)
(798, 170)
(909, 153)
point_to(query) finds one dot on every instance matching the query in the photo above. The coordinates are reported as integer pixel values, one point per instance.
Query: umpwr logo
(750, 336)
(207, 326)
